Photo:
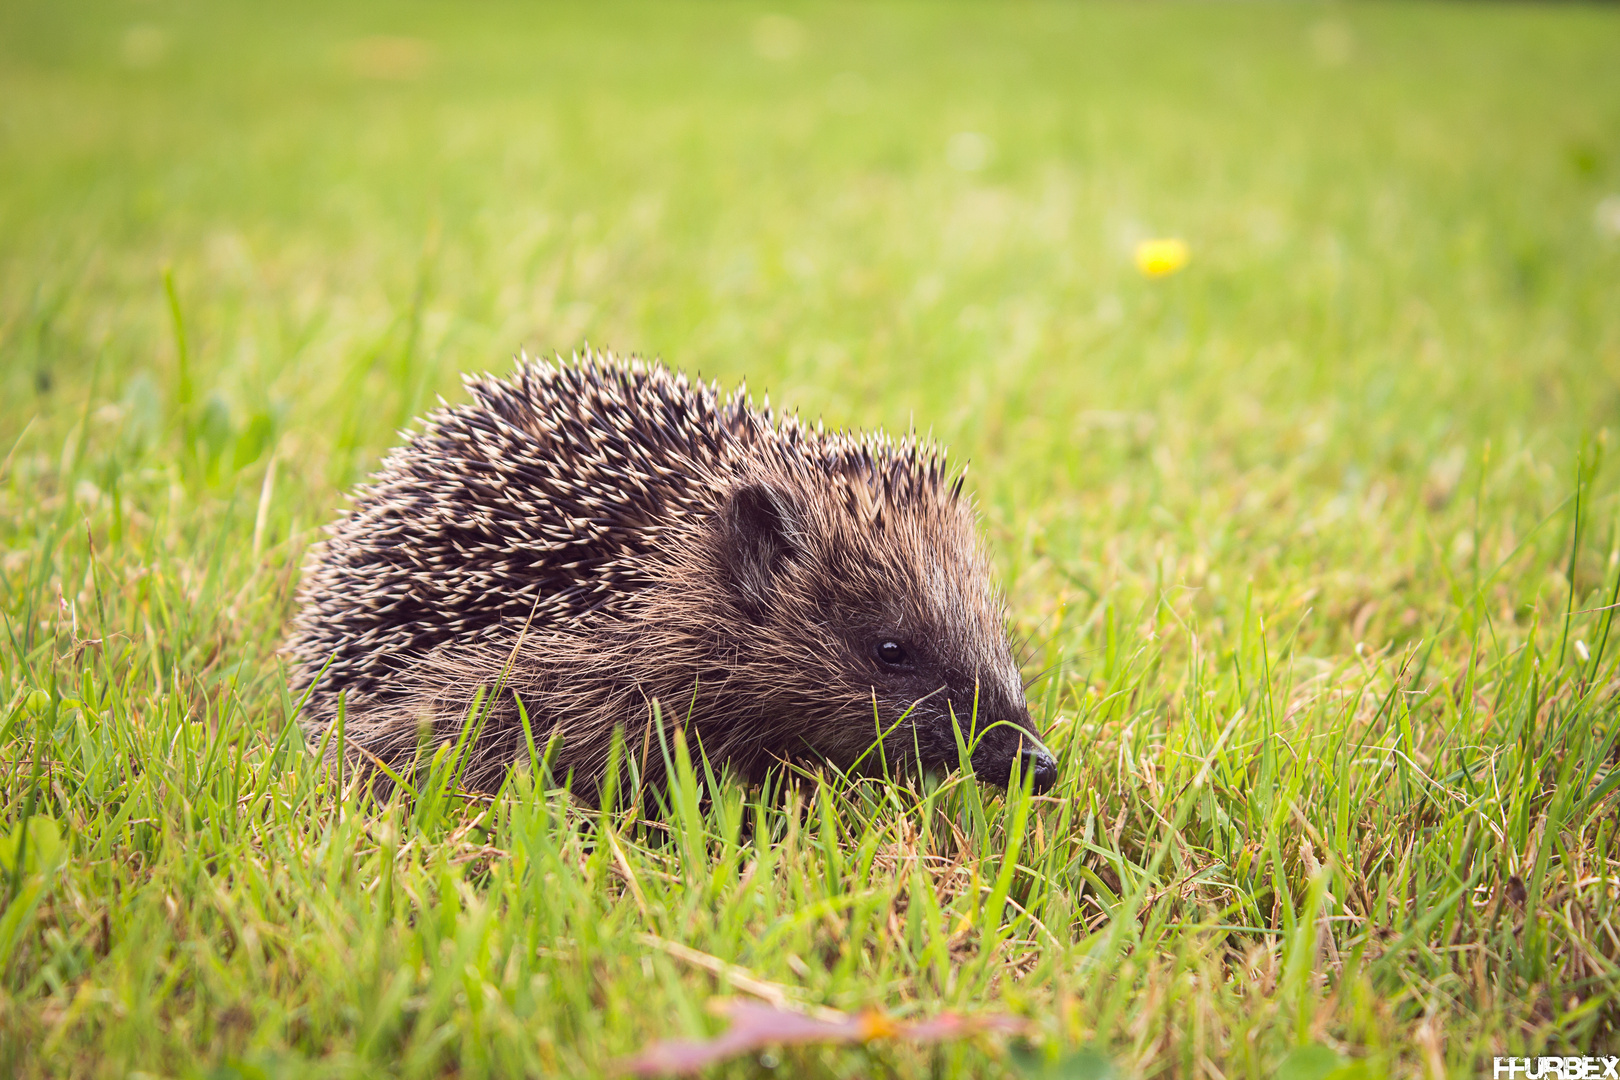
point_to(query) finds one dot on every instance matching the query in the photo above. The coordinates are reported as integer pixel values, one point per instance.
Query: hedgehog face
(935, 652)
(897, 623)
(927, 679)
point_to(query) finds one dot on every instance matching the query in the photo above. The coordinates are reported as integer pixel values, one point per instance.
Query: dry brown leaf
(755, 1026)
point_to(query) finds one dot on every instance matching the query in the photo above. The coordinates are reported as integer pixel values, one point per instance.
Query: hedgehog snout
(1012, 741)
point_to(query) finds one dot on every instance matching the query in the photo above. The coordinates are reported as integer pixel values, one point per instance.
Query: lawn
(1311, 547)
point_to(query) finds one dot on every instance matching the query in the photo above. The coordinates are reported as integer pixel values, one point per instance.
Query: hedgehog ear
(761, 537)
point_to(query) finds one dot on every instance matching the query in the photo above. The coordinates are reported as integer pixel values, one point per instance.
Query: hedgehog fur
(602, 538)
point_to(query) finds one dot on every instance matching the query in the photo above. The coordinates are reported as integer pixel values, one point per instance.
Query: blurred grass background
(1335, 490)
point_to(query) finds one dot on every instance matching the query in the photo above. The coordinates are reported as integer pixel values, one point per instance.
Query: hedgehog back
(541, 503)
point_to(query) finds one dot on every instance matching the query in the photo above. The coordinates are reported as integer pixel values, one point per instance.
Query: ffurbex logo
(1564, 1068)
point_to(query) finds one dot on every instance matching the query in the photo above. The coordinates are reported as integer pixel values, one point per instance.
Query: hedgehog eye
(892, 654)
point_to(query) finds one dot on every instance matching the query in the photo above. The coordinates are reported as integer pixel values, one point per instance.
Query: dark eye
(892, 654)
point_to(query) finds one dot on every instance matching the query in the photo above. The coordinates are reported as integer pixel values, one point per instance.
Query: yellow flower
(1161, 258)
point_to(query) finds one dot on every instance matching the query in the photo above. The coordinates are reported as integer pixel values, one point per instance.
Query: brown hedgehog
(594, 537)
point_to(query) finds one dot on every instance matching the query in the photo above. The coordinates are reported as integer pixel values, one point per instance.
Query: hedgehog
(600, 545)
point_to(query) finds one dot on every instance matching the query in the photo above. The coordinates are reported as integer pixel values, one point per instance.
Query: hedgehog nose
(1041, 768)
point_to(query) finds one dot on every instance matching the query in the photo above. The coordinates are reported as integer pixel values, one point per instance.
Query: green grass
(1313, 543)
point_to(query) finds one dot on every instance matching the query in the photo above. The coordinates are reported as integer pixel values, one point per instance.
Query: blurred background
(1402, 223)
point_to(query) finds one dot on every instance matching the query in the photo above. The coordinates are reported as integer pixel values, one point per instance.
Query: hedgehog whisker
(1041, 674)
